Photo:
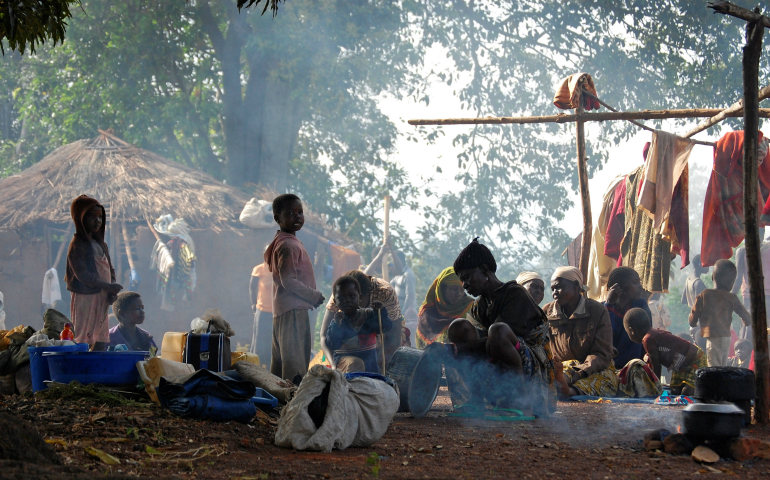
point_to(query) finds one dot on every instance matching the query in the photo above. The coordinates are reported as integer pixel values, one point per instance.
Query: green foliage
(33, 22)
(373, 462)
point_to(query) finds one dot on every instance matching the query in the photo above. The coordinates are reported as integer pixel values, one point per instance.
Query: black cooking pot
(712, 421)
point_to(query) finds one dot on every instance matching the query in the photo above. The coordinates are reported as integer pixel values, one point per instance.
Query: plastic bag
(358, 414)
(199, 326)
(257, 214)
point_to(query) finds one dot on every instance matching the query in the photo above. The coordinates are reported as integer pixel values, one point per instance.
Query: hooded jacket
(293, 276)
(81, 275)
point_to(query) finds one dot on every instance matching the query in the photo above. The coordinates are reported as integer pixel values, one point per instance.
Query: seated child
(743, 350)
(129, 310)
(352, 334)
(713, 312)
(665, 349)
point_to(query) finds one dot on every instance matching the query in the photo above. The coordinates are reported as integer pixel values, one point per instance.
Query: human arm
(85, 272)
(253, 292)
(376, 262)
(654, 357)
(741, 311)
(696, 311)
(287, 276)
(601, 350)
(328, 352)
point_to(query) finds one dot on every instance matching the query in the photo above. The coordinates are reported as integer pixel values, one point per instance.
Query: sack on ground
(358, 414)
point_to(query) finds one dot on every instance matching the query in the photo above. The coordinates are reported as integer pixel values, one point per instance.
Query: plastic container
(418, 374)
(264, 398)
(105, 368)
(67, 333)
(39, 365)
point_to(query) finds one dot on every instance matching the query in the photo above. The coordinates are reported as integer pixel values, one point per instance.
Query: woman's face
(474, 280)
(536, 289)
(564, 291)
(453, 294)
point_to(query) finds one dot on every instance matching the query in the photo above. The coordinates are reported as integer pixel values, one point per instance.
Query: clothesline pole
(588, 117)
(751, 54)
(585, 199)
(755, 29)
(736, 107)
(386, 237)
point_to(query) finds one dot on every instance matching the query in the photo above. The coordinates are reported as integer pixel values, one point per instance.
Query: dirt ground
(596, 441)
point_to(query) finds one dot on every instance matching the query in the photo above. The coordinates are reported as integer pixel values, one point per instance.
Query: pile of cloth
(206, 395)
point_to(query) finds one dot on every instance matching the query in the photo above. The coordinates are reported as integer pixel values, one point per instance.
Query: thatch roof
(135, 183)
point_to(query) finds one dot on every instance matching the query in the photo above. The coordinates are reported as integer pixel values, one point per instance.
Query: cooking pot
(712, 421)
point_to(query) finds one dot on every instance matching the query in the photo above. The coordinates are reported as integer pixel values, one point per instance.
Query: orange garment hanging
(567, 93)
(343, 260)
(723, 208)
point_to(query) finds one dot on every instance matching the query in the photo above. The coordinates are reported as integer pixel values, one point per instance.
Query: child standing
(351, 336)
(129, 310)
(294, 291)
(714, 309)
(664, 349)
(261, 296)
(89, 274)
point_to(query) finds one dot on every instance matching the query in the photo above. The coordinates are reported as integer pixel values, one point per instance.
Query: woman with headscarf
(534, 284)
(505, 357)
(445, 301)
(581, 338)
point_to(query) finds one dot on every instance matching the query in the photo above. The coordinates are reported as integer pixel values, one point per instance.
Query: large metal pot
(712, 421)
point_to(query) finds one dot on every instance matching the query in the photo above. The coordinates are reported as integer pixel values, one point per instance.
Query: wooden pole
(585, 198)
(64, 244)
(751, 54)
(127, 243)
(386, 237)
(727, 8)
(736, 107)
(587, 117)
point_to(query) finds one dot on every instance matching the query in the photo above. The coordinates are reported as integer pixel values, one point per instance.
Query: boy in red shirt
(294, 291)
(664, 349)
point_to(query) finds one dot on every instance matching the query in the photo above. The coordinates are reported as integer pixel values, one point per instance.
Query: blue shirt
(627, 350)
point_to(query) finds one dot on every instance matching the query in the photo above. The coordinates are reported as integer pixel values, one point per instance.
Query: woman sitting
(509, 357)
(581, 338)
(445, 301)
(129, 310)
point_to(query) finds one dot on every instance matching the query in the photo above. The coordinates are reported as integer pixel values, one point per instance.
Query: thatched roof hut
(135, 183)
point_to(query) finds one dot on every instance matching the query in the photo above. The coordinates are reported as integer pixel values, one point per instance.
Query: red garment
(723, 208)
(616, 223)
(679, 218)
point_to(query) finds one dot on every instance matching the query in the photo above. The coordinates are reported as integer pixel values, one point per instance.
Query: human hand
(320, 301)
(376, 305)
(614, 293)
(114, 288)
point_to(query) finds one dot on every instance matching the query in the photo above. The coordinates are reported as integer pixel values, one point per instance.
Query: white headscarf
(570, 273)
(526, 277)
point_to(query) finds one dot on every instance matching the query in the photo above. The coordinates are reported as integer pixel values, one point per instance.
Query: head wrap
(436, 296)
(526, 277)
(474, 256)
(570, 273)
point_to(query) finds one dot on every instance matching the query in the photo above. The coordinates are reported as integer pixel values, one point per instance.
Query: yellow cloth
(600, 384)
(434, 296)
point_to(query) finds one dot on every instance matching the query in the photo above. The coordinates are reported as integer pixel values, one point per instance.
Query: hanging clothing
(723, 207)
(599, 264)
(567, 93)
(574, 249)
(51, 288)
(161, 260)
(616, 222)
(343, 260)
(664, 193)
(644, 249)
(182, 281)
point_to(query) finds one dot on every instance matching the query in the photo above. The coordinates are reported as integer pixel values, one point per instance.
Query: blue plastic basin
(38, 365)
(105, 368)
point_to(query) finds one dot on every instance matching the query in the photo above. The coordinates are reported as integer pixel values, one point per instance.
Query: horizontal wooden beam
(588, 117)
(736, 107)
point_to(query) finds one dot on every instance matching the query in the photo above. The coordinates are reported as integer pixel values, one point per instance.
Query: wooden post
(64, 244)
(386, 237)
(751, 54)
(585, 199)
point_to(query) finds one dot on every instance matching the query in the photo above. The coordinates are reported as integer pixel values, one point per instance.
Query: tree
(33, 22)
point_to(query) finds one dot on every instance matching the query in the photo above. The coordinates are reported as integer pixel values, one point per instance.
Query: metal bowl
(712, 421)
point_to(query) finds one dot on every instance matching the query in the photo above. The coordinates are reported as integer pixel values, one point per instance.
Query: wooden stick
(587, 117)
(736, 107)
(727, 8)
(585, 198)
(152, 229)
(751, 55)
(64, 244)
(645, 127)
(127, 242)
(386, 231)
(382, 340)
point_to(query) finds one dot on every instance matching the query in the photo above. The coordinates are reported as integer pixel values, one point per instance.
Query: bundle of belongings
(174, 263)
(14, 357)
(206, 395)
(206, 346)
(335, 410)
